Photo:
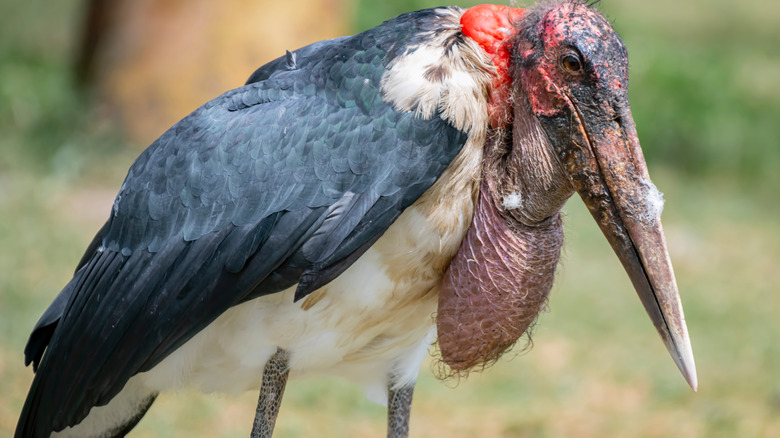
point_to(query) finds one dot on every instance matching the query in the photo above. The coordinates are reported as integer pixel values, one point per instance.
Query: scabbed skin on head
(500, 278)
(551, 32)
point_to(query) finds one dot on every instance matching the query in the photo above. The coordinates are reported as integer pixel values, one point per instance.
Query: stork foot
(275, 376)
(399, 407)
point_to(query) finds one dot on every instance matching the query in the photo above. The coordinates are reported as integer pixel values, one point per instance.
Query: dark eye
(571, 63)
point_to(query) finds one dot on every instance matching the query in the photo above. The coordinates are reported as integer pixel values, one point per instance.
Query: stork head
(561, 123)
(570, 73)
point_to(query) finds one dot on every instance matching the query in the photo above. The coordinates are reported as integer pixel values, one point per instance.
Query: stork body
(373, 322)
(314, 220)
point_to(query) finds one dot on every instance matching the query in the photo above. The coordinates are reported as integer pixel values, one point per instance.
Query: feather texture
(287, 180)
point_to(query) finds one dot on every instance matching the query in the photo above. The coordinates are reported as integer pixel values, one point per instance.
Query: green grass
(597, 367)
(706, 100)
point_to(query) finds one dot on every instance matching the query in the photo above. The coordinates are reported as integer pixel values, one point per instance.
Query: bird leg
(399, 407)
(274, 380)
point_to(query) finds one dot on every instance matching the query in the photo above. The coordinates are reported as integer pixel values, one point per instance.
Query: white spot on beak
(654, 202)
(513, 201)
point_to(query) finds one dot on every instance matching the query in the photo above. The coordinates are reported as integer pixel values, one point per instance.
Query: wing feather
(286, 180)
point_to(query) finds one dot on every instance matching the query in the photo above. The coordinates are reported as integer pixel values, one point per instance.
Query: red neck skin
(492, 26)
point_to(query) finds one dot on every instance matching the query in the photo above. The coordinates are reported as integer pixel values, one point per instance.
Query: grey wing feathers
(284, 181)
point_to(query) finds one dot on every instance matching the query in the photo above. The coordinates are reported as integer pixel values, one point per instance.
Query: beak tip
(685, 362)
(691, 378)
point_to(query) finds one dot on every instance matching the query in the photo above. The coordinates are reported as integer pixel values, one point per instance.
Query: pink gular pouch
(495, 286)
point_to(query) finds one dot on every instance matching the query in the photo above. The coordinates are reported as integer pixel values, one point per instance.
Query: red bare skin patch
(492, 26)
(547, 83)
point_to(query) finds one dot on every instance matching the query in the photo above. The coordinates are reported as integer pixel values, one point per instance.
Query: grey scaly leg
(399, 406)
(271, 392)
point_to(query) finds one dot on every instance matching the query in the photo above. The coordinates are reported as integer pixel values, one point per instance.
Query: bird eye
(571, 63)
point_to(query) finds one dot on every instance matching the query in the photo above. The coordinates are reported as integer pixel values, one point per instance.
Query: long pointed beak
(610, 174)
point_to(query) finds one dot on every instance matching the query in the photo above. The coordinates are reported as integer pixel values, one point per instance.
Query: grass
(597, 367)
(706, 100)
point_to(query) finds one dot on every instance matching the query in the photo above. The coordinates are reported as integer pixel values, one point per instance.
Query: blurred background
(85, 86)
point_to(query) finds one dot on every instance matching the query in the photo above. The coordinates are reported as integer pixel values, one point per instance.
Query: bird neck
(524, 177)
(503, 271)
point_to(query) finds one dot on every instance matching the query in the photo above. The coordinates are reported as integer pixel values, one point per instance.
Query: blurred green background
(705, 90)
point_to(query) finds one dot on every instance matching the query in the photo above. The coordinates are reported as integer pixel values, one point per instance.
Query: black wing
(286, 180)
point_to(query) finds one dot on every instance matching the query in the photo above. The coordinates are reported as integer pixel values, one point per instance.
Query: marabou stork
(313, 220)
